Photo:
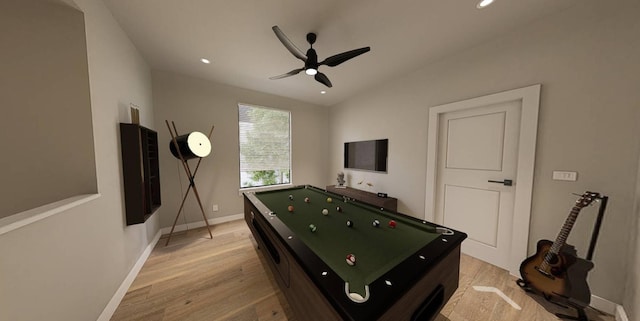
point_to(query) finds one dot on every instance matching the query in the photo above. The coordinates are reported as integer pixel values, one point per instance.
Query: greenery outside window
(265, 146)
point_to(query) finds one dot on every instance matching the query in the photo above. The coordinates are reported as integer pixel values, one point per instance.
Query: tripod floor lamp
(186, 147)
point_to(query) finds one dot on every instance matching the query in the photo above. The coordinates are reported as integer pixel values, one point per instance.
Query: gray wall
(68, 266)
(587, 62)
(46, 134)
(195, 105)
(631, 299)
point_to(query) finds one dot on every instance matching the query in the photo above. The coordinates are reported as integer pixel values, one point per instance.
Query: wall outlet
(565, 176)
(215, 207)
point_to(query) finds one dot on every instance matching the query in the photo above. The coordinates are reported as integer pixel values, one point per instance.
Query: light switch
(565, 176)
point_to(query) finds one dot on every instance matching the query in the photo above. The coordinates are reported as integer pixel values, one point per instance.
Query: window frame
(270, 186)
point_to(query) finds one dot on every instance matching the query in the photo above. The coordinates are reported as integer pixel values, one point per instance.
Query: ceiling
(237, 37)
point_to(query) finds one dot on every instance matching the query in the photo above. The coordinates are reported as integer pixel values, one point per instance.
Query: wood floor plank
(196, 278)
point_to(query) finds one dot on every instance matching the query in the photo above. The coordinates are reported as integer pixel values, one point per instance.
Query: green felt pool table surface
(377, 249)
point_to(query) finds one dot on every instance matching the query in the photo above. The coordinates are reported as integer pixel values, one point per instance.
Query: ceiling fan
(310, 60)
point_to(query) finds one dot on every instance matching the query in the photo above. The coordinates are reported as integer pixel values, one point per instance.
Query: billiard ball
(290, 197)
(376, 223)
(312, 228)
(307, 200)
(351, 259)
(325, 211)
(290, 208)
(392, 224)
(329, 200)
(338, 208)
(349, 223)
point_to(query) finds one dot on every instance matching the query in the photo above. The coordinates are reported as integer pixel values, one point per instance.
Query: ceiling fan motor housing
(312, 59)
(311, 38)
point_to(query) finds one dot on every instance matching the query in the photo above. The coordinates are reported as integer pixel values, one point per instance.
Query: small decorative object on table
(341, 180)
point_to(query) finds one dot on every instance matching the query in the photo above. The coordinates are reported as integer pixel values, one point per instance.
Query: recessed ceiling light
(323, 92)
(205, 61)
(483, 3)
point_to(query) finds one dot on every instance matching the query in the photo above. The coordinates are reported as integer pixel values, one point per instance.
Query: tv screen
(370, 155)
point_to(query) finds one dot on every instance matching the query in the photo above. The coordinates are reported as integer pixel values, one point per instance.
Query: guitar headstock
(586, 199)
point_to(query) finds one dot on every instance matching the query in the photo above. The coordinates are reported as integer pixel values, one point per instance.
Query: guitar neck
(561, 239)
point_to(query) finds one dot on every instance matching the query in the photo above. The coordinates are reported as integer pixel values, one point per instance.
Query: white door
(477, 148)
(491, 137)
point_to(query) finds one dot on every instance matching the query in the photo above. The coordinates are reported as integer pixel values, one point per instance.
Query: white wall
(195, 105)
(68, 266)
(587, 62)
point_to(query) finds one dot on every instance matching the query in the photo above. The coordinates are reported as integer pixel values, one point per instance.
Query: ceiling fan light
(311, 71)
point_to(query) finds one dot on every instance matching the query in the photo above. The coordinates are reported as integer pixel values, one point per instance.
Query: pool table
(404, 269)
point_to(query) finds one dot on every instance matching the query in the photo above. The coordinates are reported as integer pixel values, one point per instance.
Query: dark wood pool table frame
(420, 290)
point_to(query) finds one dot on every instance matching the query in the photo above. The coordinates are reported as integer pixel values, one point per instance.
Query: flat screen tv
(369, 155)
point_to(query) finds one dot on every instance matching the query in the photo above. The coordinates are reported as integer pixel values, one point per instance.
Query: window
(265, 146)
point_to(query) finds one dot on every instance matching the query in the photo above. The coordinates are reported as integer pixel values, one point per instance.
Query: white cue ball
(325, 212)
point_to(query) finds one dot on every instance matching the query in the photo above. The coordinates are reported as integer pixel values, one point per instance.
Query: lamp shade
(192, 145)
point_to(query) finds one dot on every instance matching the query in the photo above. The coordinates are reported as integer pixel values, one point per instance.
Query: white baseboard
(620, 314)
(609, 307)
(212, 221)
(111, 307)
(603, 305)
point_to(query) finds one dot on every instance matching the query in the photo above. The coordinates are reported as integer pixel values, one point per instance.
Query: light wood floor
(196, 278)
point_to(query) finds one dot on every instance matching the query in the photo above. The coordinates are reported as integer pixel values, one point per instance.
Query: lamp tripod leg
(204, 216)
(178, 215)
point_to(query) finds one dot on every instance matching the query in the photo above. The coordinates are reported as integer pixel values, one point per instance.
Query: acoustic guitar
(552, 271)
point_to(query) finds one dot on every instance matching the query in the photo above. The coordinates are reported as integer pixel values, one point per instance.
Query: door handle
(506, 182)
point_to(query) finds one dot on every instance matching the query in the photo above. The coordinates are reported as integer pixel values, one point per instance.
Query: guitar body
(551, 282)
(552, 271)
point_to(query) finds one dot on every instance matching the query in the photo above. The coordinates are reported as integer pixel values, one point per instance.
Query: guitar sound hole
(557, 271)
(552, 258)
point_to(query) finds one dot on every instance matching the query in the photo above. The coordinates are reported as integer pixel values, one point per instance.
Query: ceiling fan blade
(323, 79)
(289, 74)
(288, 44)
(342, 57)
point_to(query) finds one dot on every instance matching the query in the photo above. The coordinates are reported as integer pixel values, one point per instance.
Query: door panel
(477, 213)
(476, 142)
(475, 146)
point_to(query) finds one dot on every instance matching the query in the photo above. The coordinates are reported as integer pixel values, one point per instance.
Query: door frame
(530, 98)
